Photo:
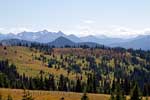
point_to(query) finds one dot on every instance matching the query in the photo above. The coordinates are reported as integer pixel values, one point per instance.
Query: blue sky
(116, 18)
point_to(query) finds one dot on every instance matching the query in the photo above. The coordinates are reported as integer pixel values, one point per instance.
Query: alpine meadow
(101, 53)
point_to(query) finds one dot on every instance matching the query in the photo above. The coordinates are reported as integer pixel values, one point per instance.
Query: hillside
(98, 70)
(50, 95)
(61, 42)
(139, 42)
(24, 59)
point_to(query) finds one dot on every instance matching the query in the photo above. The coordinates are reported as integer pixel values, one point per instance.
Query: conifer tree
(0, 97)
(84, 97)
(78, 86)
(112, 97)
(9, 97)
(27, 96)
(119, 94)
(135, 94)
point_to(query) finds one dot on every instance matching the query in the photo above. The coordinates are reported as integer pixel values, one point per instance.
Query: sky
(114, 18)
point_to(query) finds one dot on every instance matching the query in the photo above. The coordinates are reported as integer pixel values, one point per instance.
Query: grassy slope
(50, 95)
(25, 62)
(23, 59)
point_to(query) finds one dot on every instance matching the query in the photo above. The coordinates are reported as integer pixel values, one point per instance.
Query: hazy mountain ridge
(59, 42)
(45, 36)
(140, 42)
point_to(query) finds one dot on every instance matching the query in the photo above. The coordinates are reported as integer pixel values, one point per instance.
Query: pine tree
(9, 97)
(119, 94)
(62, 86)
(0, 97)
(146, 98)
(41, 80)
(62, 98)
(94, 83)
(27, 96)
(113, 86)
(78, 86)
(135, 95)
(112, 97)
(84, 97)
(126, 86)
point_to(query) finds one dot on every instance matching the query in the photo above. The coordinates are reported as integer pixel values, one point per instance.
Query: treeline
(9, 78)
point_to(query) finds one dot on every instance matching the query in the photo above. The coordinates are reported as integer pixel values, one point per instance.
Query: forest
(114, 71)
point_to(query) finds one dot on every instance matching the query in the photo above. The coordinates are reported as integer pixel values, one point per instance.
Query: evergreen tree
(27, 96)
(0, 97)
(145, 90)
(94, 83)
(146, 98)
(113, 86)
(78, 86)
(9, 97)
(62, 98)
(119, 94)
(84, 97)
(135, 94)
(126, 86)
(62, 83)
(41, 80)
(112, 97)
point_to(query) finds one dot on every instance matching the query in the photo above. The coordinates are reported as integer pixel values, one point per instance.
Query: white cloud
(88, 21)
(83, 30)
(112, 31)
(88, 29)
(15, 30)
(12, 30)
(20, 29)
(122, 32)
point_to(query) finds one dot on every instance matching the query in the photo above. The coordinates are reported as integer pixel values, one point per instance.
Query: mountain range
(61, 39)
(45, 37)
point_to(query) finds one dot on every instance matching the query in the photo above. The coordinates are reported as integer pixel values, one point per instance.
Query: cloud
(14, 30)
(87, 29)
(123, 32)
(112, 31)
(88, 21)
(19, 29)
(84, 30)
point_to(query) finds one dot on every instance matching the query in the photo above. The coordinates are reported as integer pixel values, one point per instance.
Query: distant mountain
(13, 42)
(7, 36)
(61, 42)
(101, 39)
(89, 44)
(74, 38)
(40, 36)
(140, 42)
(47, 37)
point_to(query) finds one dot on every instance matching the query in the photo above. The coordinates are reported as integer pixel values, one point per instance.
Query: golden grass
(23, 59)
(25, 62)
(52, 95)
